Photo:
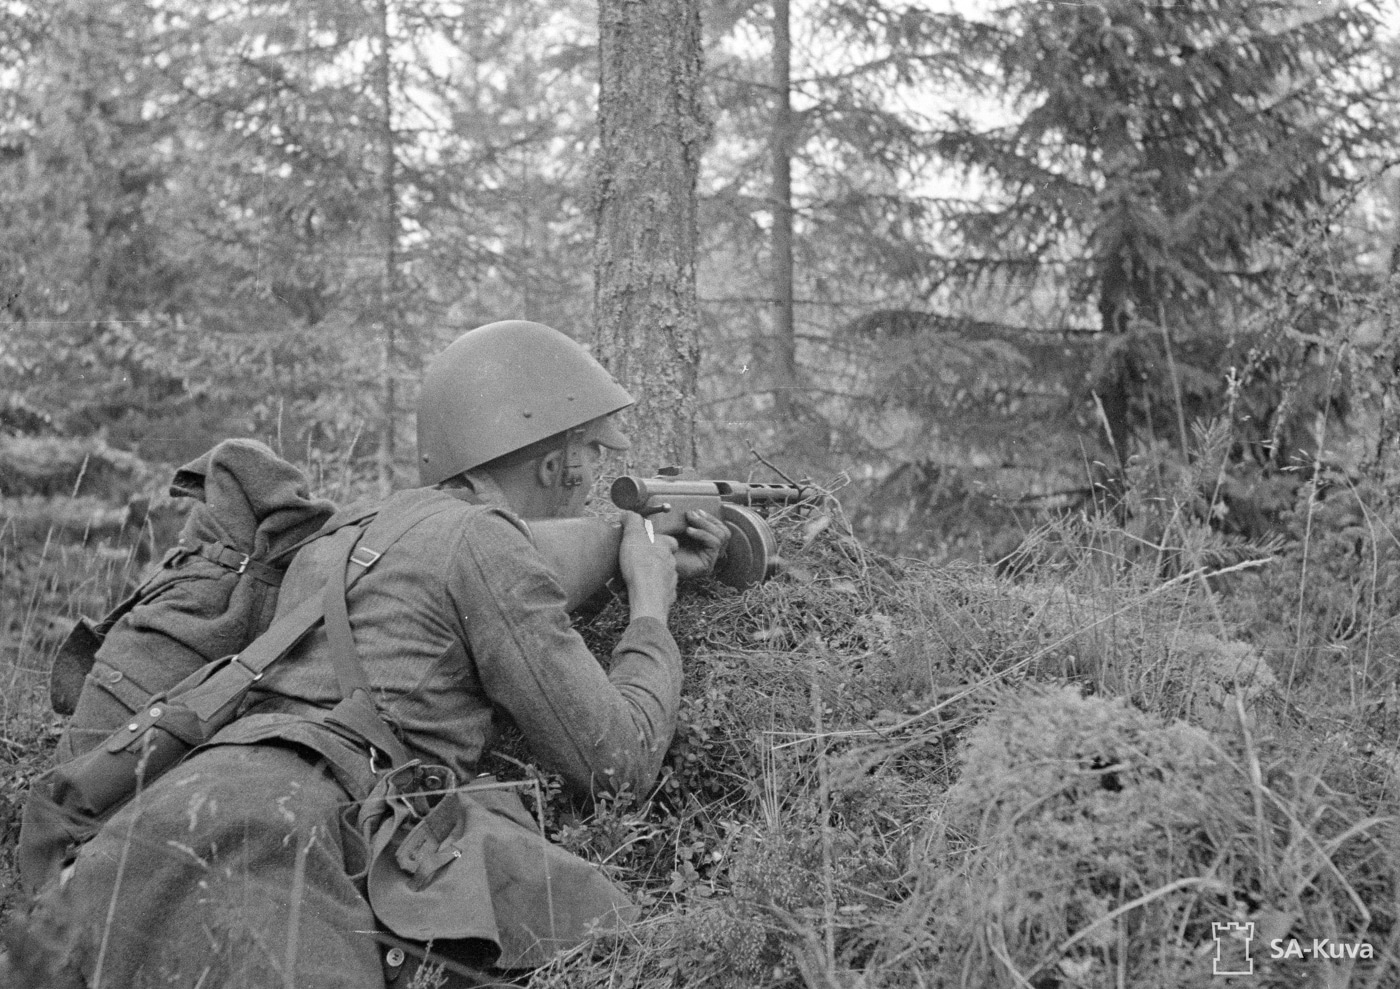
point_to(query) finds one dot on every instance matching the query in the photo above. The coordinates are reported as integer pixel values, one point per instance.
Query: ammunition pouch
(470, 873)
(67, 804)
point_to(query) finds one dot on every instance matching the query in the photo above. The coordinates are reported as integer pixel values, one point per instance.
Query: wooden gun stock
(582, 553)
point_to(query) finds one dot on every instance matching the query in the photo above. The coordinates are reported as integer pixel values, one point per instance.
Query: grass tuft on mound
(1089, 843)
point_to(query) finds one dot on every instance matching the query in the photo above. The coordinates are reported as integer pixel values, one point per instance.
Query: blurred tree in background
(1154, 152)
(223, 240)
(948, 250)
(1034, 238)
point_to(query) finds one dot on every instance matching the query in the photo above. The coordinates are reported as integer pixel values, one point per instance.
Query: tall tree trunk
(651, 132)
(1113, 391)
(1123, 293)
(783, 347)
(388, 301)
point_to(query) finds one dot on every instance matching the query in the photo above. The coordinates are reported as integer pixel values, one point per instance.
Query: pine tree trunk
(651, 132)
(1113, 391)
(783, 347)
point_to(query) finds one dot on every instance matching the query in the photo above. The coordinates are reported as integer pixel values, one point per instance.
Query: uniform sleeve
(601, 731)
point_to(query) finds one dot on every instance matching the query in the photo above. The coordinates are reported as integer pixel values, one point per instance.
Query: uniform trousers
(229, 872)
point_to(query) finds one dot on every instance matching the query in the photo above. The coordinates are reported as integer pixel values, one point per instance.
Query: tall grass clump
(1087, 842)
(77, 529)
(1328, 616)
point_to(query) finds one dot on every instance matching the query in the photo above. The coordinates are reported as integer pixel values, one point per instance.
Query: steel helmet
(501, 387)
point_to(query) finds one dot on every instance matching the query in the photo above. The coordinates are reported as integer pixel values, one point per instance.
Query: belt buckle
(255, 675)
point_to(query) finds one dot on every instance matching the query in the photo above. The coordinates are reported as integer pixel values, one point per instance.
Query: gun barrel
(644, 495)
(746, 493)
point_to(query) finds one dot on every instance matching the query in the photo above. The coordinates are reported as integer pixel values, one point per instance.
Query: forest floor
(1078, 769)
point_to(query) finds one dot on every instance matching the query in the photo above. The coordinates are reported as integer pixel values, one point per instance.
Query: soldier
(241, 866)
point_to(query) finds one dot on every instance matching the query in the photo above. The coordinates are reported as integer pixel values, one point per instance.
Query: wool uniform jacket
(462, 624)
(460, 628)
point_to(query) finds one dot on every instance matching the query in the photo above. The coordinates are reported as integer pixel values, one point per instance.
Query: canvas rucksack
(207, 605)
(213, 593)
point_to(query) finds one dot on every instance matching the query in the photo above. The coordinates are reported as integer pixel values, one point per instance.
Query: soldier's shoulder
(455, 511)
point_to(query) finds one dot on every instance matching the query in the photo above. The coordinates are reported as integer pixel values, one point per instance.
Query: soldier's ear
(549, 468)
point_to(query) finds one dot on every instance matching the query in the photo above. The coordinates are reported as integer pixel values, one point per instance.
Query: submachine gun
(583, 551)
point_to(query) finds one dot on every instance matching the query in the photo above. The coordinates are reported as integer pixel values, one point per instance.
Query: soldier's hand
(648, 563)
(701, 545)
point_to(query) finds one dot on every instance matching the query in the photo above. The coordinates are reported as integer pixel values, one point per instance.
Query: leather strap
(288, 630)
(130, 694)
(272, 569)
(349, 671)
(340, 520)
(356, 712)
(231, 559)
(222, 682)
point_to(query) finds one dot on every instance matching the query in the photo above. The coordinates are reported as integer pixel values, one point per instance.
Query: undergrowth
(1059, 774)
(61, 556)
(1056, 772)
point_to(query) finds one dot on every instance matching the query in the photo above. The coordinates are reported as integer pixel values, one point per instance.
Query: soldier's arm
(600, 731)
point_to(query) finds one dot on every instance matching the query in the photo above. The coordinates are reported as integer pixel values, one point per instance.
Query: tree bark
(1114, 394)
(783, 348)
(651, 132)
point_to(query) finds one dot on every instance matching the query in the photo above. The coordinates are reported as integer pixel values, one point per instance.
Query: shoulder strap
(218, 686)
(233, 560)
(340, 520)
(356, 711)
(288, 630)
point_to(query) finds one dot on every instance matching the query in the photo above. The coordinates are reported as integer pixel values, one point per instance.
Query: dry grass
(59, 558)
(892, 774)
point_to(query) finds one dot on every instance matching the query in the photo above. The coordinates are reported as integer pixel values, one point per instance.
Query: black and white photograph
(700, 494)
